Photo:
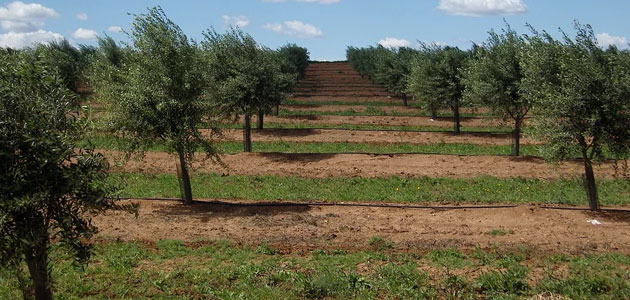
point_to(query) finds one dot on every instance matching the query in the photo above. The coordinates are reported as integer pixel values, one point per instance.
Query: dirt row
(297, 228)
(382, 121)
(365, 108)
(373, 137)
(365, 165)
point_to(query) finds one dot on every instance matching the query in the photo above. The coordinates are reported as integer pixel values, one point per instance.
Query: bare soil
(367, 165)
(375, 137)
(356, 108)
(296, 228)
(383, 121)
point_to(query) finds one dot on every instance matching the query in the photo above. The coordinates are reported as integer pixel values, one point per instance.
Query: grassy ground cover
(488, 190)
(171, 269)
(111, 143)
(370, 111)
(464, 129)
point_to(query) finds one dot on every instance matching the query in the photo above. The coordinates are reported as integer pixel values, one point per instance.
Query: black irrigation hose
(387, 154)
(373, 115)
(384, 130)
(373, 205)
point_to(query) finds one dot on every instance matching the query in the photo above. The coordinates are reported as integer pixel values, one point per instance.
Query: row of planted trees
(160, 87)
(578, 92)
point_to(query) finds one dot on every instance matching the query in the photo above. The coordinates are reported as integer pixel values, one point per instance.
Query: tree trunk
(516, 138)
(247, 134)
(37, 262)
(456, 118)
(277, 110)
(261, 119)
(433, 113)
(404, 97)
(589, 179)
(182, 173)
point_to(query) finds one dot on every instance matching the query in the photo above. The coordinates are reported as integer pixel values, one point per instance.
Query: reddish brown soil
(310, 227)
(375, 137)
(368, 165)
(383, 121)
(356, 108)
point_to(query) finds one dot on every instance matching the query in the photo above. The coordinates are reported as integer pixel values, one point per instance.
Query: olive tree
(393, 69)
(435, 79)
(248, 77)
(493, 78)
(49, 187)
(158, 92)
(297, 56)
(581, 95)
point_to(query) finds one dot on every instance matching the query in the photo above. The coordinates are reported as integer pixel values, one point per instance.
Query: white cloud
(82, 16)
(19, 40)
(390, 42)
(295, 28)
(114, 29)
(238, 21)
(20, 17)
(306, 1)
(605, 40)
(478, 8)
(84, 34)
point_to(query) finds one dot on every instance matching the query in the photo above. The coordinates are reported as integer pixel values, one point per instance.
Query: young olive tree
(435, 79)
(393, 69)
(157, 93)
(248, 77)
(493, 78)
(49, 188)
(581, 95)
(297, 56)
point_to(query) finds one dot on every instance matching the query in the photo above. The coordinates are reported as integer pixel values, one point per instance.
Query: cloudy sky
(325, 27)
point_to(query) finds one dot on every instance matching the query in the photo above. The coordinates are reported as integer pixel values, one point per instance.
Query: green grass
(464, 129)
(173, 269)
(481, 190)
(371, 111)
(111, 143)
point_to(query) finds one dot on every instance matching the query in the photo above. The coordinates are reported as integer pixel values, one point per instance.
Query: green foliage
(435, 79)
(493, 78)
(49, 187)
(389, 67)
(247, 77)
(71, 62)
(157, 89)
(581, 94)
(297, 56)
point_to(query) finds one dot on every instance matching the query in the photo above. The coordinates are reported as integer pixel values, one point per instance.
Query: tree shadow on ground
(204, 211)
(289, 132)
(611, 215)
(296, 157)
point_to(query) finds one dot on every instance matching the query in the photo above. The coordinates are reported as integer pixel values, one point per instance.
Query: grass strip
(481, 190)
(402, 128)
(112, 143)
(370, 111)
(172, 269)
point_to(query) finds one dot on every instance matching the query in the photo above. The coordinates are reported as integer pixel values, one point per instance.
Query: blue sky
(325, 27)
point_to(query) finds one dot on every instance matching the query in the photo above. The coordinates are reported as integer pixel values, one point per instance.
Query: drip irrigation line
(372, 115)
(386, 153)
(372, 205)
(383, 130)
